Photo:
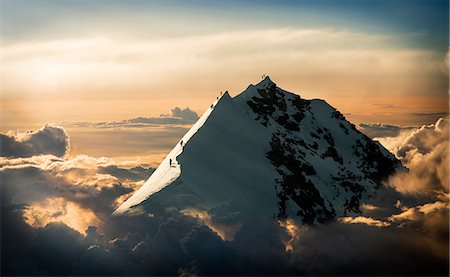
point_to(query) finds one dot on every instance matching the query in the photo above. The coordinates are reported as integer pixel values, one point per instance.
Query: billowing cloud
(47, 140)
(424, 152)
(420, 211)
(56, 220)
(59, 210)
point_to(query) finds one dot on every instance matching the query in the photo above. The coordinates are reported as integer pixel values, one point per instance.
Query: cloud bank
(178, 116)
(49, 139)
(425, 152)
(377, 130)
(56, 220)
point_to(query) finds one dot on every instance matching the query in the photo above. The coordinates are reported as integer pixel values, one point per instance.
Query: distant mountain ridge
(268, 153)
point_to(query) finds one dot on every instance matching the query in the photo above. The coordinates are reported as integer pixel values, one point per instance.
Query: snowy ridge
(224, 168)
(166, 174)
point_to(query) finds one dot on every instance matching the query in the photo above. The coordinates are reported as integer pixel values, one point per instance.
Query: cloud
(350, 61)
(47, 140)
(431, 114)
(56, 220)
(375, 130)
(293, 230)
(415, 213)
(369, 207)
(178, 117)
(359, 249)
(57, 209)
(364, 220)
(224, 231)
(185, 114)
(425, 152)
(48, 207)
(135, 173)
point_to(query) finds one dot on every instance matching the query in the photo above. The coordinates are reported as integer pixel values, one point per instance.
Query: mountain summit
(268, 153)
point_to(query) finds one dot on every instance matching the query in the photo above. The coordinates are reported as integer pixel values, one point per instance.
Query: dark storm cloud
(47, 140)
(358, 249)
(29, 184)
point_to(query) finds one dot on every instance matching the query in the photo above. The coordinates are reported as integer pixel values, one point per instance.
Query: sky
(376, 61)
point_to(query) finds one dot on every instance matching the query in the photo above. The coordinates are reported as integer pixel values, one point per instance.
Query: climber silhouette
(170, 162)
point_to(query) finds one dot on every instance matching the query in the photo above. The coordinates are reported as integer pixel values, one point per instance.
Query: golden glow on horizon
(32, 113)
(114, 68)
(101, 78)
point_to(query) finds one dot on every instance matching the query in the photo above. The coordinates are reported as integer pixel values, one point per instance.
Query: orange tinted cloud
(419, 212)
(364, 220)
(224, 231)
(58, 209)
(425, 152)
(293, 231)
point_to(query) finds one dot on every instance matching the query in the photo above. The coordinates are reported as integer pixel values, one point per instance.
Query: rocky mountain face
(325, 166)
(269, 153)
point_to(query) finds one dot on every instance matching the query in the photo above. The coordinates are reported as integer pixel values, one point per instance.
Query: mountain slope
(269, 153)
(165, 173)
(325, 165)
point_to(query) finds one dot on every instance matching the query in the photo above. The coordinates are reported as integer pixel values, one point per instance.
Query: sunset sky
(108, 60)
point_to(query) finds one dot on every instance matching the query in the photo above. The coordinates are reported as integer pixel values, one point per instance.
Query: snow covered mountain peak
(266, 85)
(268, 153)
(266, 81)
